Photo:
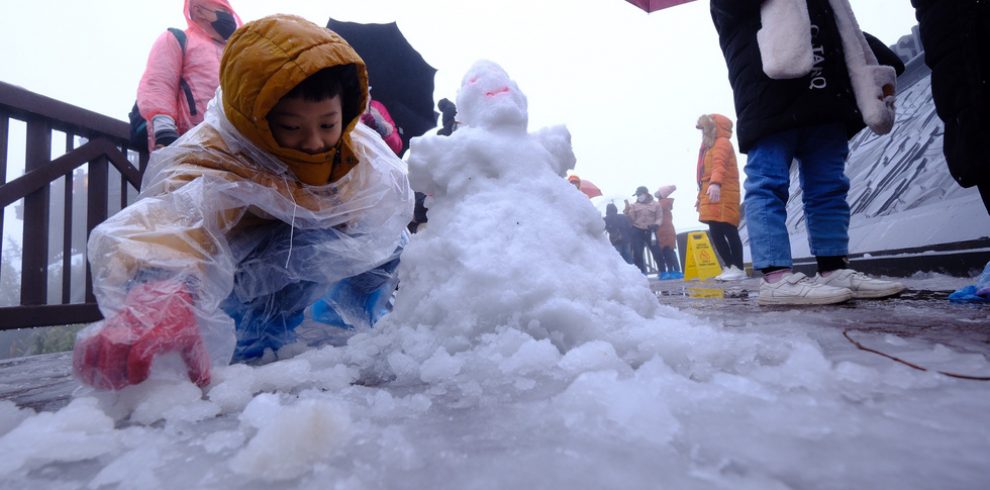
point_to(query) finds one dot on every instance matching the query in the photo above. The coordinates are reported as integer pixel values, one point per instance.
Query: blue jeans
(644, 239)
(821, 153)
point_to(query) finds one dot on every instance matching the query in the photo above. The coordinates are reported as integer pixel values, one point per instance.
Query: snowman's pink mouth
(493, 93)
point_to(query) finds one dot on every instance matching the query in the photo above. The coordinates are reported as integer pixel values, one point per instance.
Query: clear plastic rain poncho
(227, 223)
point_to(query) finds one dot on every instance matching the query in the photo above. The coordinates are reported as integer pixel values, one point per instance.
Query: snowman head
(489, 99)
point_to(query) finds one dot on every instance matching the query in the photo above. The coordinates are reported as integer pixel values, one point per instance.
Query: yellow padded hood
(267, 58)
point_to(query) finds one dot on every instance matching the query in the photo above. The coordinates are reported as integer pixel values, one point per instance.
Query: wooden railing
(102, 172)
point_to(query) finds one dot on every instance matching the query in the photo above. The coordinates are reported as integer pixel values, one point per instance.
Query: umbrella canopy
(589, 189)
(654, 5)
(399, 76)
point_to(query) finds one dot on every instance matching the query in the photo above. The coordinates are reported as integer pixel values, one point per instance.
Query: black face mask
(225, 24)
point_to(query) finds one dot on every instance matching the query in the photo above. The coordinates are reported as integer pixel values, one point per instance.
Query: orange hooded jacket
(718, 166)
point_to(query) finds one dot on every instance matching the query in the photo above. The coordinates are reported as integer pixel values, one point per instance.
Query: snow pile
(524, 353)
(498, 201)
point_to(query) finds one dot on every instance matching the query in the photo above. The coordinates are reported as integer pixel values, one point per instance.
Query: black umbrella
(399, 76)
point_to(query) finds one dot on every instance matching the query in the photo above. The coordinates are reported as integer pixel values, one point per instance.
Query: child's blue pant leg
(360, 300)
(268, 322)
(276, 262)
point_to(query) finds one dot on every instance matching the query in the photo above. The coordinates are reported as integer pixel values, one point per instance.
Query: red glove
(158, 318)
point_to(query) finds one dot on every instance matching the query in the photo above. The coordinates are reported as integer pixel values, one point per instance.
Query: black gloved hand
(165, 137)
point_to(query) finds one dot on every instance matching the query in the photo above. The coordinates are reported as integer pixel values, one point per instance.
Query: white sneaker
(733, 274)
(860, 284)
(797, 289)
(726, 273)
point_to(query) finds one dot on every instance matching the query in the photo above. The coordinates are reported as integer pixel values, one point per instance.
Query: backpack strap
(180, 36)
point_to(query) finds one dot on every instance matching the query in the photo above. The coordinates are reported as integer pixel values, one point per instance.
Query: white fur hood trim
(786, 52)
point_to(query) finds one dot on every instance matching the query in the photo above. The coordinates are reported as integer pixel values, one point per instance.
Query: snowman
(510, 243)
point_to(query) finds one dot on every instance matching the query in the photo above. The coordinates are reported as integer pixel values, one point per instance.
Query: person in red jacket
(179, 81)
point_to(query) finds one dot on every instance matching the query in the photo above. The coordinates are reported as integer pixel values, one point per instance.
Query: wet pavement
(43, 382)
(922, 312)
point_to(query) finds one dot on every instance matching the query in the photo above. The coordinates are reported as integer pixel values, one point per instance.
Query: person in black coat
(448, 114)
(620, 232)
(956, 37)
(448, 111)
(804, 80)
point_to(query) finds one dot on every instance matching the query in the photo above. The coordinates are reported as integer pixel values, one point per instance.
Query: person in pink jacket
(378, 118)
(177, 83)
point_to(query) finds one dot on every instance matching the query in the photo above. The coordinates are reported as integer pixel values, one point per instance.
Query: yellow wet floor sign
(701, 261)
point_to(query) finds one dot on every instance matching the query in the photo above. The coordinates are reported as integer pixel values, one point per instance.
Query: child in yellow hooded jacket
(277, 201)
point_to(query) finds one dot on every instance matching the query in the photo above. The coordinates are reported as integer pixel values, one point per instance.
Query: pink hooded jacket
(159, 91)
(378, 118)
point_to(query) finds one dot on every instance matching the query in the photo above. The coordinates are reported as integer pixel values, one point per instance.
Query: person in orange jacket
(278, 202)
(575, 181)
(718, 192)
(178, 81)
